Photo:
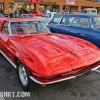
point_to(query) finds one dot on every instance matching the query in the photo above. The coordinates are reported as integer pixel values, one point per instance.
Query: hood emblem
(74, 52)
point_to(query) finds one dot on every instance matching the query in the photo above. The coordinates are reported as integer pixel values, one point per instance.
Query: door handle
(67, 30)
(83, 34)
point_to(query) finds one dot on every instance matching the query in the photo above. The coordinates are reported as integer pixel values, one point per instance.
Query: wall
(59, 2)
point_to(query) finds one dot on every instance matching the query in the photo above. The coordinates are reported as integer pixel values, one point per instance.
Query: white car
(47, 17)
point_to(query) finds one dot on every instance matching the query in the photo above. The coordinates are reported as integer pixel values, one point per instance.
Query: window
(67, 20)
(76, 22)
(95, 22)
(1, 7)
(28, 27)
(80, 22)
(55, 8)
(84, 22)
(93, 11)
(56, 20)
(5, 28)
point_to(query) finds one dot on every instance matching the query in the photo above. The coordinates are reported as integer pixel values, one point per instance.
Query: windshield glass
(95, 22)
(28, 27)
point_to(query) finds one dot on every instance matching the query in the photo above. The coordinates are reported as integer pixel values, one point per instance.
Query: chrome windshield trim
(7, 58)
(94, 69)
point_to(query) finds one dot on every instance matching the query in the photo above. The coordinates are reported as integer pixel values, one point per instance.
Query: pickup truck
(90, 11)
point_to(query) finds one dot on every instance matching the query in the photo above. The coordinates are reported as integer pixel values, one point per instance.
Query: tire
(23, 75)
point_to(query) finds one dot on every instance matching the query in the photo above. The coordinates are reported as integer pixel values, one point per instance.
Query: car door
(62, 26)
(79, 27)
(74, 26)
(5, 40)
(94, 35)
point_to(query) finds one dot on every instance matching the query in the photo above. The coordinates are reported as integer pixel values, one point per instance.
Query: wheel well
(16, 59)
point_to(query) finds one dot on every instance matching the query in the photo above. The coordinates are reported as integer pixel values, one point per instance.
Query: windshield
(95, 22)
(28, 27)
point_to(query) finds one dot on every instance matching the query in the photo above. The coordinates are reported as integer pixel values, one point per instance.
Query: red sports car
(42, 56)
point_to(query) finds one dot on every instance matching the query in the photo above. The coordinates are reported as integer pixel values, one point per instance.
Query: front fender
(34, 62)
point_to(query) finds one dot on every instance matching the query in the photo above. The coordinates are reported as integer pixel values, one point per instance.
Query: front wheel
(23, 75)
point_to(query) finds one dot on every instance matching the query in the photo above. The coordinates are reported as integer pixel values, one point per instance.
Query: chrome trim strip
(7, 58)
(39, 82)
(96, 69)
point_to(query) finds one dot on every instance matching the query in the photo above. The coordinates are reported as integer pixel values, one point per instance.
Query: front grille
(76, 72)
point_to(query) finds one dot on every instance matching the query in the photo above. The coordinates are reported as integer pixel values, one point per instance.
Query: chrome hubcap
(23, 75)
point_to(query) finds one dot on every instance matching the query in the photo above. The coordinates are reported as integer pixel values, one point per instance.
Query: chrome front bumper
(96, 69)
(39, 82)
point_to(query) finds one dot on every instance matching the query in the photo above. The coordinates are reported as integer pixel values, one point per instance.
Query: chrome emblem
(74, 52)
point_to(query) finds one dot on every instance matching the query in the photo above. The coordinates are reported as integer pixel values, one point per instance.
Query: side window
(76, 22)
(84, 22)
(67, 20)
(56, 20)
(80, 22)
(5, 28)
(93, 11)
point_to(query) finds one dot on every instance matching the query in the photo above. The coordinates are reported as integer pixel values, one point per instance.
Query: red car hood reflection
(63, 54)
(52, 46)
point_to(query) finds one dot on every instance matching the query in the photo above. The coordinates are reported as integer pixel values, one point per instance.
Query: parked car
(85, 26)
(27, 16)
(42, 56)
(36, 13)
(47, 17)
(90, 11)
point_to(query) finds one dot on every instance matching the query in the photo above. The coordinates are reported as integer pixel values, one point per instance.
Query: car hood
(62, 54)
(52, 45)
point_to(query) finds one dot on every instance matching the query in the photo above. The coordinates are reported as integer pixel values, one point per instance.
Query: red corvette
(42, 56)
